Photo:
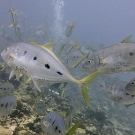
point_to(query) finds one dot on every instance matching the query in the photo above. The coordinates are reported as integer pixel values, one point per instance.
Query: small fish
(69, 29)
(6, 88)
(60, 50)
(41, 65)
(14, 16)
(8, 104)
(130, 87)
(69, 46)
(75, 58)
(53, 124)
(40, 108)
(117, 93)
(96, 60)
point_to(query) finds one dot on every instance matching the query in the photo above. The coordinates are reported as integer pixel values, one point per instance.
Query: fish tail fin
(3, 67)
(84, 82)
(73, 24)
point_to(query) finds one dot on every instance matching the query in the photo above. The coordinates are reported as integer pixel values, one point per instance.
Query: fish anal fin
(103, 62)
(37, 84)
(11, 74)
(14, 73)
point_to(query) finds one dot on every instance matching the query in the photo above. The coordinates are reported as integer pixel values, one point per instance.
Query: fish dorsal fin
(49, 46)
(33, 43)
(127, 40)
(125, 81)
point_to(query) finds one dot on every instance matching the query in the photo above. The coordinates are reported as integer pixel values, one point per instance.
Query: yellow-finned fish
(53, 124)
(105, 59)
(40, 64)
(69, 29)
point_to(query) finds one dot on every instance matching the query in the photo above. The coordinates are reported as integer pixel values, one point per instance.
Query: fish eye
(7, 48)
(89, 61)
(133, 83)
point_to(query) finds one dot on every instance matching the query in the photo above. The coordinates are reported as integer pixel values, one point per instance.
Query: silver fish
(69, 29)
(40, 108)
(69, 46)
(53, 124)
(6, 88)
(40, 64)
(8, 104)
(130, 87)
(75, 58)
(96, 59)
(117, 92)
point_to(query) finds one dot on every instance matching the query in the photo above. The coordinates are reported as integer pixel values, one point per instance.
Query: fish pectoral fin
(49, 46)
(28, 80)
(103, 62)
(37, 84)
(127, 40)
(73, 129)
(16, 73)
